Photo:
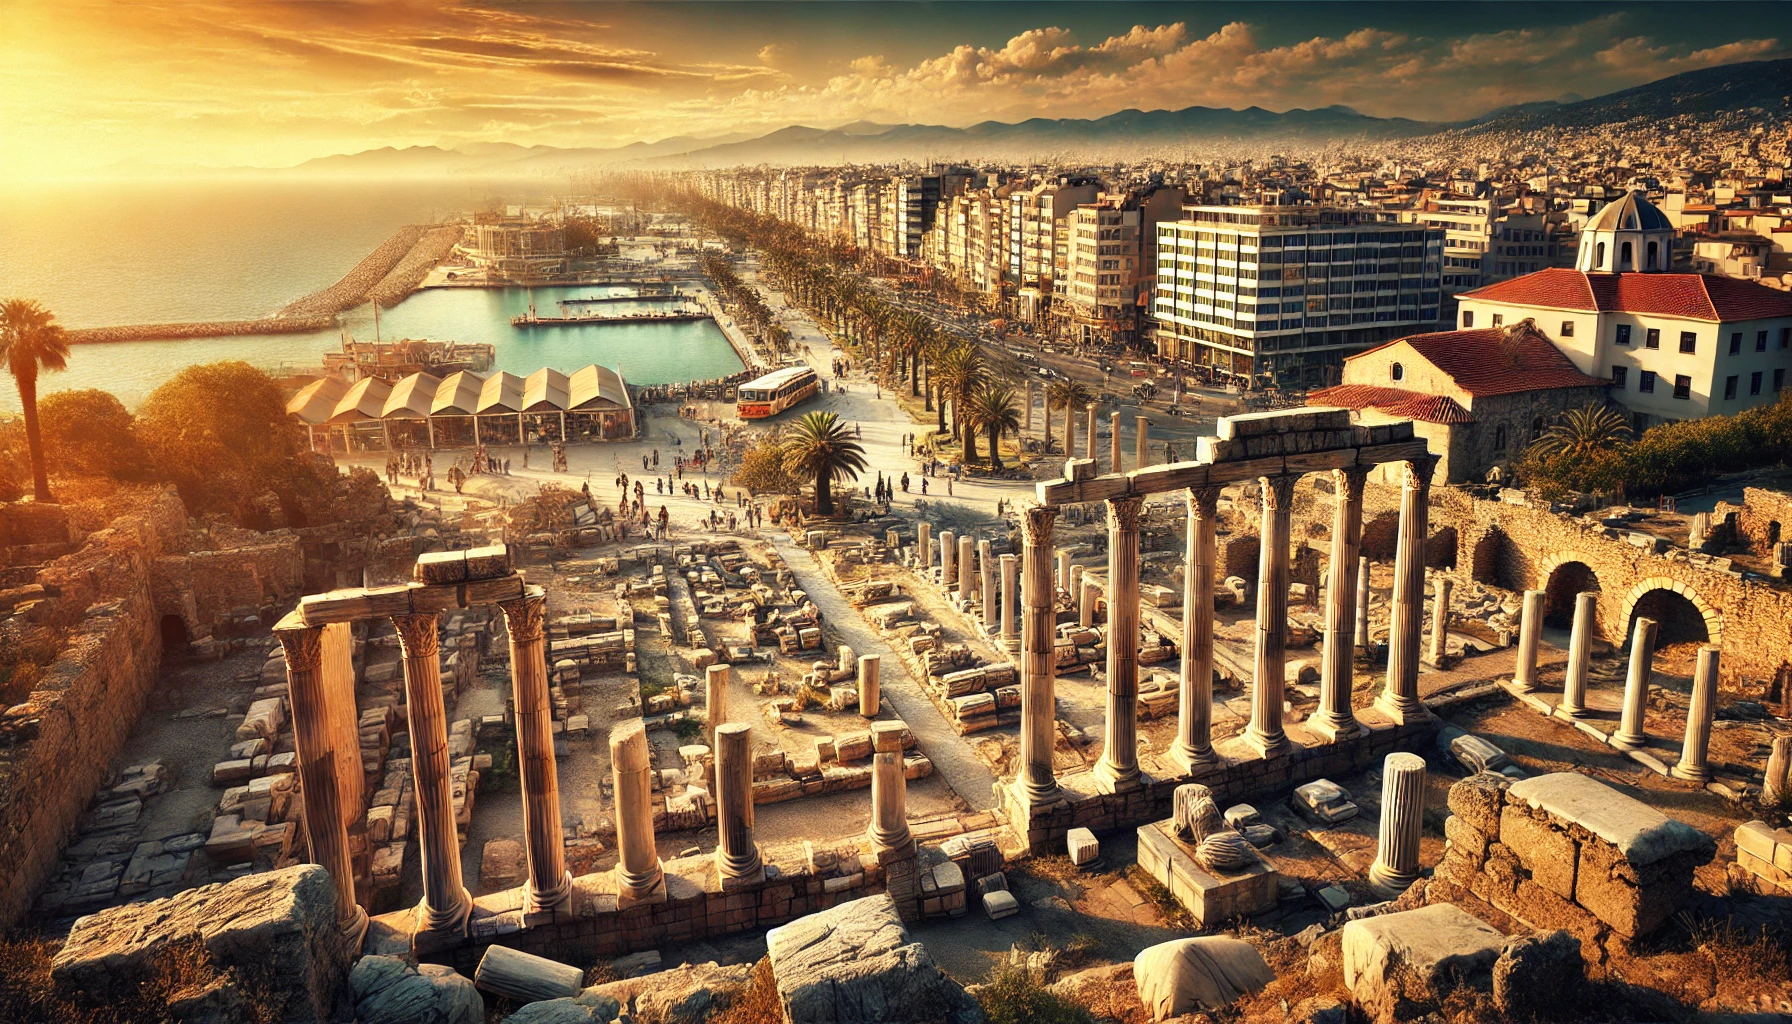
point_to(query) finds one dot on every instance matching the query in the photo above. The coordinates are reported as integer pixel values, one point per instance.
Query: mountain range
(1755, 85)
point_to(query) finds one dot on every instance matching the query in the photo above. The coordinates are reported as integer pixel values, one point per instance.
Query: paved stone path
(951, 753)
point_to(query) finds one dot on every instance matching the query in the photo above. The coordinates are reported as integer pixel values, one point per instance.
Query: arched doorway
(1678, 620)
(174, 632)
(1494, 561)
(1565, 582)
(1440, 549)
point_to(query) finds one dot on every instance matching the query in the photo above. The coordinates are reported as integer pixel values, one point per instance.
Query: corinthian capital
(1418, 472)
(417, 635)
(1278, 492)
(1203, 502)
(1036, 525)
(523, 617)
(1123, 513)
(304, 646)
(1349, 482)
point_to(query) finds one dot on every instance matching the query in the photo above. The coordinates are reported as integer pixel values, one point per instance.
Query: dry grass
(27, 995)
(757, 1003)
(1168, 908)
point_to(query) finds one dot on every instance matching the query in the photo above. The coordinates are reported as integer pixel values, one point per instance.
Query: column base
(1580, 712)
(437, 929)
(355, 931)
(1268, 745)
(537, 900)
(1521, 686)
(1193, 761)
(1029, 798)
(1389, 883)
(1402, 710)
(647, 892)
(1334, 728)
(1623, 742)
(734, 876)
(1691, 773)
(1111, 779)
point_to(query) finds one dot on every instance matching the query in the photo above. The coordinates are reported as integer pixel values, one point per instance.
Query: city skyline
(106, 88)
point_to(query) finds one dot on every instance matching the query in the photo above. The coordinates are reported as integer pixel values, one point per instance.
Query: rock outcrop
(388, 990)
(855, 964)
(682, 995)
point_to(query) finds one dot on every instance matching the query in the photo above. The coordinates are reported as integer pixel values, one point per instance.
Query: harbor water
(190, 252)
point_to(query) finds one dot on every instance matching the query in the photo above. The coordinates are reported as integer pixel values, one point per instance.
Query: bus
(775, 392)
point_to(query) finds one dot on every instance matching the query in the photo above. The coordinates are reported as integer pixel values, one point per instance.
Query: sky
(139, 86)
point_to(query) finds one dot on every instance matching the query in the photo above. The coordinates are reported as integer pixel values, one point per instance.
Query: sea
(105, 253)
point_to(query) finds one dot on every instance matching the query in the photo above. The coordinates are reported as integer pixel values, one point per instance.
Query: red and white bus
(775, 392)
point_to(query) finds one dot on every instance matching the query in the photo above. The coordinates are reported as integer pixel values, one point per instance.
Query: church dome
(1627, 235)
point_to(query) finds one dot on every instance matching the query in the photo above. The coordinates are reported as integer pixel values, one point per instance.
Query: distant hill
(1128, 133)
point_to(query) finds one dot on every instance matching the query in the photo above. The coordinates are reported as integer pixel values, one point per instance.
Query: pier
(533, 319)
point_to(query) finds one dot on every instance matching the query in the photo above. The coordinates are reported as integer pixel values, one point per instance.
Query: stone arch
(174, 632)
(1682, 613)
(1381, 537)
(1494, 560)
(1440, 549)
(1562, 576)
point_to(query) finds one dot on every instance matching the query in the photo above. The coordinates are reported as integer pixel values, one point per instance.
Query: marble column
(1337, 673)
(1267, 688)
(1118, 768)
(1114, 451)
(1075, 587)
(1066, 580)
(1035, 782)
(319, 779)
(1440, 619)
(1026, 423)
(1697, 745)
(1087, 595)
(1193, 748)
(924, 544)
(1530, 633)
(638, 872)
(870, 684)
(715, 700)
(737, 855)
(1089, 445)
(1010, 573)
(550, 884)
(1362, 600)
(1402, 818)
(1400, 701)
(889, 791)
(967, 568)
(948, 556)
(1636, 686)
(1779, 764)
(1580, 654)
(445, 898)
(1069, 431)
(986, 588)
(1142, 427)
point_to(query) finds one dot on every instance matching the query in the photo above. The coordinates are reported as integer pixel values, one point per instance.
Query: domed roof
(1631, 213)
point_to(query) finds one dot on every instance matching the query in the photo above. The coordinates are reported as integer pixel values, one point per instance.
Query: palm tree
(993, 410)
(1582, 433)
(819, 447)
(959, 372)
(32, 340)
(1072, 394)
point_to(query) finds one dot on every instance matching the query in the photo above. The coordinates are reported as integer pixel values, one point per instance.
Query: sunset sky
(95, 87)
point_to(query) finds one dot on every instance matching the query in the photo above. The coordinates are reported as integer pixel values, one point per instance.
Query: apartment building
(1034, 217)
(1283, 293)
(1102, 255)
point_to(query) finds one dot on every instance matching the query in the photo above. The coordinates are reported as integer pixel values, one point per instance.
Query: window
(1786, 337)
(1599, 257)
(1498, 319)
(1735, 343)
(1683, 387)
(1653, 338)
(1499, 438)
(1623, 334)
(1645, 382)
(1779, 380)
(1754, 383)
(1468, 320)
(1567, 328)
(1619, 375)
(1397, 372)
(1536, 428)
(1689, 341)
(1729, 386)
(1624, 261)
(1654, 248)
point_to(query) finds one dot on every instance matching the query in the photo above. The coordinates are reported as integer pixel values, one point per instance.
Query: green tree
(996, 412)
(819, 447)
(1581, 433)
(30, 341)
(1072, 395)
(960, 371)
(89, 432)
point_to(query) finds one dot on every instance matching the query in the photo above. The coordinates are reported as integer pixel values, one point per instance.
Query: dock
(533, 319)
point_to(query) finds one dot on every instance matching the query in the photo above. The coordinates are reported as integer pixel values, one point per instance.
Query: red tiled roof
(1412, 405)
(1693, 296)
(1497, 360)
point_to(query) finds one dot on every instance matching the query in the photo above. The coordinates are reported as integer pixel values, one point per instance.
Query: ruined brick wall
(1764, 519)
(1693, 596)
(57, 746)
(206, 587)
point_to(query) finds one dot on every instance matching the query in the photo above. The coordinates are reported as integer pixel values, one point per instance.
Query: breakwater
(352, 290)
(432, 248)
(207, 329)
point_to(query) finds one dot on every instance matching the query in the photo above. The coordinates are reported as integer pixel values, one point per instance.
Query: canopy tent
(596, 395)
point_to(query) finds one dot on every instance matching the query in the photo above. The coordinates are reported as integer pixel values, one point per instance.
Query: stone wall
(1523, 546)
(208, 589)
(1567, 851)
(1763, 519)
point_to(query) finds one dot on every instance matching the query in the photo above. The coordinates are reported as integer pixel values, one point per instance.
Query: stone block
(387, 990)
(1478, 800)
(279, 925)
(855, 964)
(489, 562)
(1548, 853)
(1323, 802)
(439, 567)
(1396, 964)
(999, 904)
(1082, 846)
(502, 865)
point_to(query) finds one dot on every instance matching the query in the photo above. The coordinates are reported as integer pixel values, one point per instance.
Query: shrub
(90, 433)
(1016, 995)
